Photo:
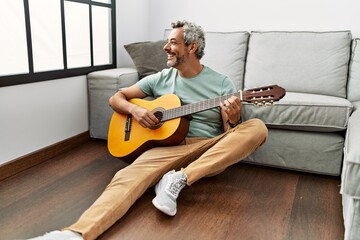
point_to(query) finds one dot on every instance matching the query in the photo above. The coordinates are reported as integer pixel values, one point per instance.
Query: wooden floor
(244, 202)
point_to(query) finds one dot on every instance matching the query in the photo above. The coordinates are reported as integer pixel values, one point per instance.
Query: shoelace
(175, 185)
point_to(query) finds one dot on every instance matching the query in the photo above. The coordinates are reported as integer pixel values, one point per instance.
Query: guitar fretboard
(191, 108)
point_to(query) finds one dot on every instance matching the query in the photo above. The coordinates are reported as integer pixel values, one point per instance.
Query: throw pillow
(148, 57)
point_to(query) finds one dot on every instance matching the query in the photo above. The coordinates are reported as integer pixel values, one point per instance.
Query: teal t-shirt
(208, 84)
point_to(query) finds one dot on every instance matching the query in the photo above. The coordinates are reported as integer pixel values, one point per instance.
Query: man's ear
(193, 47)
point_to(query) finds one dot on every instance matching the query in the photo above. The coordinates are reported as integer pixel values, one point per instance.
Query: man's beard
(178, 61)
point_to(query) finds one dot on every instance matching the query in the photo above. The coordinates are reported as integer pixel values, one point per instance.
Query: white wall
(33, 116)
(132, 26)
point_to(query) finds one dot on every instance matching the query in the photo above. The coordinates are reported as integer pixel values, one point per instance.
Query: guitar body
(140, 139)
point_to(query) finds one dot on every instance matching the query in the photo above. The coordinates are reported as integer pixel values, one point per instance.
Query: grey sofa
(314, 128)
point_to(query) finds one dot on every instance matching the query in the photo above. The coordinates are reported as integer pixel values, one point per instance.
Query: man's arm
(119, 102)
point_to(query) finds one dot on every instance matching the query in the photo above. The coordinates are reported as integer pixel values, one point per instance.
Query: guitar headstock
(263, 96)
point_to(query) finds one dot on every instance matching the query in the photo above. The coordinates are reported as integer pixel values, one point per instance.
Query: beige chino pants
(197, 157)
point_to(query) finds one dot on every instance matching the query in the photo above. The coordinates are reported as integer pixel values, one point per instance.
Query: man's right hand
(144, 117)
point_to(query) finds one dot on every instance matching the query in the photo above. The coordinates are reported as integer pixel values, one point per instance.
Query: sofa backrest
(305, 62)
(354, 72)
(225, 52)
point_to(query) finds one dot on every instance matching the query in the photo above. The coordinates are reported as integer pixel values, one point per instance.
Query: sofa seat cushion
(308, 62)
(303, 111)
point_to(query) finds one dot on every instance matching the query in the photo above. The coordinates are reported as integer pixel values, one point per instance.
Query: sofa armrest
(350, 178)
(101, 86)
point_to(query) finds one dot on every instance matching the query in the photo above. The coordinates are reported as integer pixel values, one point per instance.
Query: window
(77, 32)
(52, 39)
(13, 46)
(46, 35)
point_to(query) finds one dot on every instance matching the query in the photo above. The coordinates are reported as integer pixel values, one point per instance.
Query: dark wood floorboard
(243, 202)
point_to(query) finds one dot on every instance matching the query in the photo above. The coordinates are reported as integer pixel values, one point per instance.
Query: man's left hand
(232, 107)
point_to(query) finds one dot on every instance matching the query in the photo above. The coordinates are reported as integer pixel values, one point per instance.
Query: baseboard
(24, 162)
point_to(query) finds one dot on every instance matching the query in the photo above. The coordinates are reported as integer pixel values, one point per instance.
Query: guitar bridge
(128, 127)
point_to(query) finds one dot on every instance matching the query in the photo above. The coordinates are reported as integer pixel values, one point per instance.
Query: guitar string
(197, 107)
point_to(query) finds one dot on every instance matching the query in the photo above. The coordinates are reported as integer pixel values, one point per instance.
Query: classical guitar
(127, 139)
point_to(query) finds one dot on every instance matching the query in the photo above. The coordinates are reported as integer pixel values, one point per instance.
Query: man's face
(176, 49)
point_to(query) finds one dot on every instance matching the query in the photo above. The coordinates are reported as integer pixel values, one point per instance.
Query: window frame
(33, 77)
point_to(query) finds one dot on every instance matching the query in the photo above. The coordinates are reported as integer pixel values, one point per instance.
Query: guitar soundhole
(158, 115)
(158, 112)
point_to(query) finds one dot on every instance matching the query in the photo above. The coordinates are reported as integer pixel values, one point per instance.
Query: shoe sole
(163, 209)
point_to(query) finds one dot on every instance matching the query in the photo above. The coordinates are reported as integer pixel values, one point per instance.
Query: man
(207, 150)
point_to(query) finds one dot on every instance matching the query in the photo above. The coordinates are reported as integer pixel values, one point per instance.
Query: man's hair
(192, 33)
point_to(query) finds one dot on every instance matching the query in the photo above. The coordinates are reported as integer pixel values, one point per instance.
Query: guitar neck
(191, 108)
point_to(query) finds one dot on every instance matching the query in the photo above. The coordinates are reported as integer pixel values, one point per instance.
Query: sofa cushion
(354, 72)
(148, 57)
(303, 111)
(307, 62)
(225, 52)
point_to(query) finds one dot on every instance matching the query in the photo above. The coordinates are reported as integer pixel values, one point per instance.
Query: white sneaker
(167, 191)
(59, 235)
